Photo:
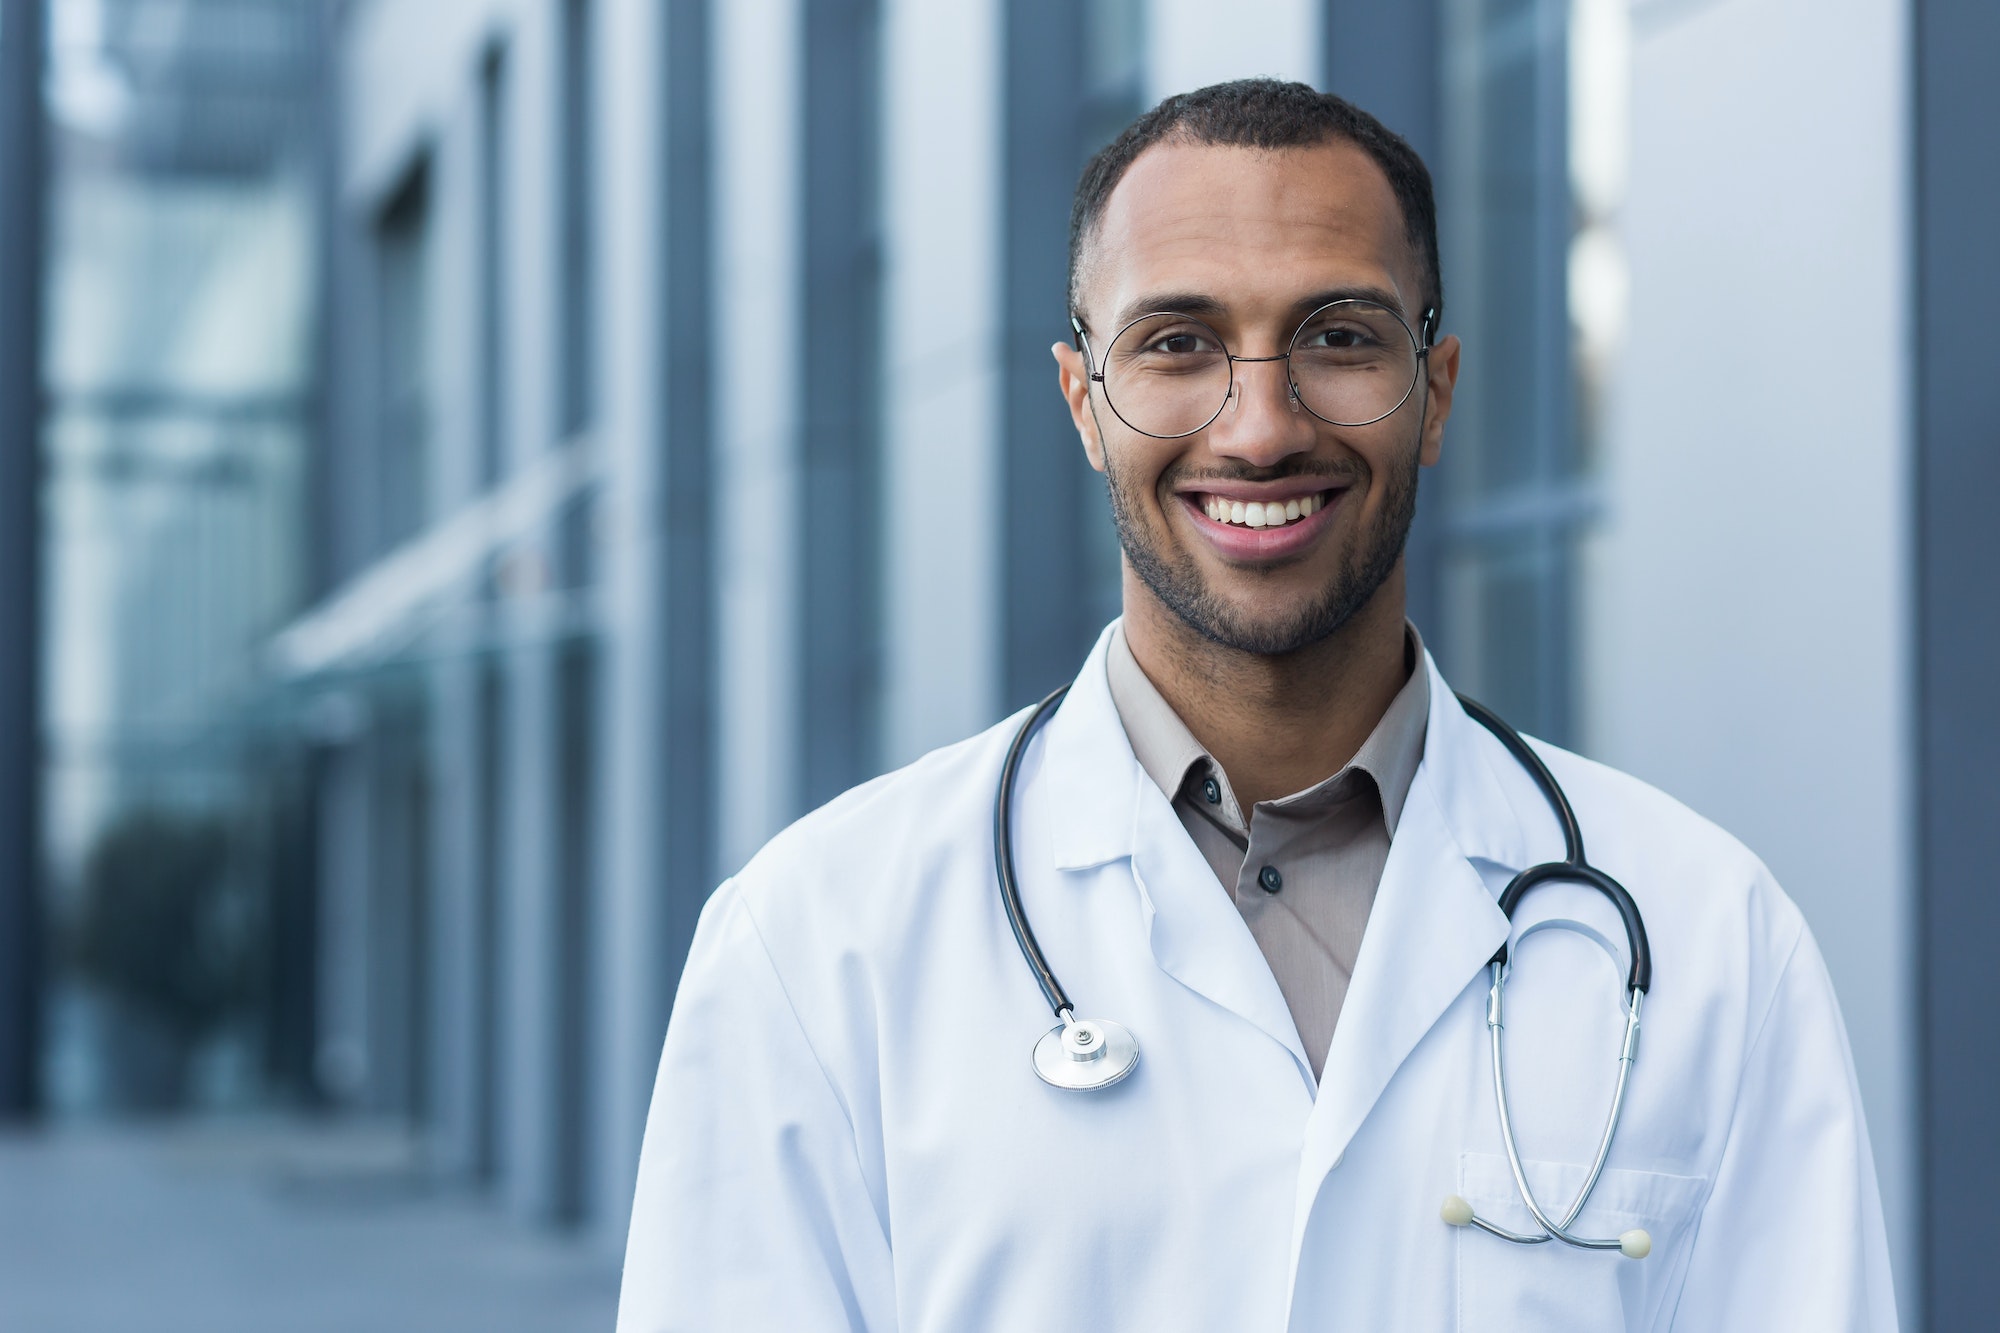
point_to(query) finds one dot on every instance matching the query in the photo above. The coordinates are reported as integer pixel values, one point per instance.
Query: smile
(1256, 514)
(1260, 529)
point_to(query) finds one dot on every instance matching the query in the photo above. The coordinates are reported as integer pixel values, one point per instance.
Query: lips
(1223, 519)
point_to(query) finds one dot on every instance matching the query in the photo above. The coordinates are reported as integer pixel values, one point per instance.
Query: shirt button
(1211, 791)
(1270, 880)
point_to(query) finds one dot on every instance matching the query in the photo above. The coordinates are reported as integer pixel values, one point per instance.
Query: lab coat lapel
(1198, 936)
(1102, 807)
(1084, 771)
(1433, 928)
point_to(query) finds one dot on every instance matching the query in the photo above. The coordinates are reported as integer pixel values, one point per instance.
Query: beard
(1174, 578)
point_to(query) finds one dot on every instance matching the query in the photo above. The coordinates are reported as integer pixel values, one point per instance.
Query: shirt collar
(1161, 742)
(1088, 786)
(1169, 752)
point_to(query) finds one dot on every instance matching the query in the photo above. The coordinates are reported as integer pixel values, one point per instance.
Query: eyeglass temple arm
(1082, 341)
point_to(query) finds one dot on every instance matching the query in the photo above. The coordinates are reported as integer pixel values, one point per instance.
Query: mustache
(1187, 478)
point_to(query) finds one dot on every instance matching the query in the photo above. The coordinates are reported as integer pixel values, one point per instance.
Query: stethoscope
(1087, 1054)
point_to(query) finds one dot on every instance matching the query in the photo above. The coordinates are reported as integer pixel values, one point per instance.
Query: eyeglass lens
(1351, 363)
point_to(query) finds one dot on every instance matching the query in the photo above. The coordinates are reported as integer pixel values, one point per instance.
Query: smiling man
(1254, 866)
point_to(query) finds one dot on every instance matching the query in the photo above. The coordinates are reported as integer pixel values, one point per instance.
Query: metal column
(840, 571)
(21, 193)
(1047, 625)
(687, 808)
(1957, 271)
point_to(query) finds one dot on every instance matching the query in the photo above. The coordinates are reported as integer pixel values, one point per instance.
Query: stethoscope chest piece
(1085, 1054)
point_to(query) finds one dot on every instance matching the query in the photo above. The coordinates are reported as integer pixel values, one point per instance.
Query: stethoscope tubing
(1003, 859)
(1573, 868)
(1555, 1230)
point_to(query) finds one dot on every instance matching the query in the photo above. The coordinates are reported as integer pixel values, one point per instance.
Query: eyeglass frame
(1423, 349)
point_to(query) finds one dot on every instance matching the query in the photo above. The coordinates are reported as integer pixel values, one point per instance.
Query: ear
(1441, 372)
(1073, 377)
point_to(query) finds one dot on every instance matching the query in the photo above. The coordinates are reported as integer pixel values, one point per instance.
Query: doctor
(1263, 835)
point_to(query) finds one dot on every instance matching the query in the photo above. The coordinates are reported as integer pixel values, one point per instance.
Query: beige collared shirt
(1301, 870)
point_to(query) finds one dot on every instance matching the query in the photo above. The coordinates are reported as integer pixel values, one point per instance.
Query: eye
(1180, 342)
(1342, 338)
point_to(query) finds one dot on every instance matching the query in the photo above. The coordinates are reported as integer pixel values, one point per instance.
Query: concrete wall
(758, 250)
(942, 312)
(1193, 43)
(1747, 611)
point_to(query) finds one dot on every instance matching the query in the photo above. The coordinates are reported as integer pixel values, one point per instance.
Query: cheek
(1138, 479)
(1385, 455)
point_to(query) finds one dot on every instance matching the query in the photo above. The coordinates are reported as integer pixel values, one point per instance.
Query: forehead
(1254, 229)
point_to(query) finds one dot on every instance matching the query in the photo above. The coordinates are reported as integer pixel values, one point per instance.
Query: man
(1263, 835)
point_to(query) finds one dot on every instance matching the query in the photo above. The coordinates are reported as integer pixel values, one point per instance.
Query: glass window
(1114, 94)
(179, 373)
(1528, 177)
(1075, 77)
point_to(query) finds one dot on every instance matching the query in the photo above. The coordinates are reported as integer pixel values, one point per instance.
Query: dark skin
(1277, 673)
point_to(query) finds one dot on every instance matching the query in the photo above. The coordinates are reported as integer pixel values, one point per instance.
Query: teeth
(1256, 514)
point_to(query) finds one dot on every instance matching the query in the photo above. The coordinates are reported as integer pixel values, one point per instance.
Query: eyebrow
(1204, 306)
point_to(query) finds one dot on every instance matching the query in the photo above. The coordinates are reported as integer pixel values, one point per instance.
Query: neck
(1277, 725)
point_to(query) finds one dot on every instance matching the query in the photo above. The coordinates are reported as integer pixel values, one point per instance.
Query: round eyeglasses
(1351, 363)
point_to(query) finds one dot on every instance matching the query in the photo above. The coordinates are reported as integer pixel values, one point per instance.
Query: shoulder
(1625, 814)
(832, 921)
(1704, 893)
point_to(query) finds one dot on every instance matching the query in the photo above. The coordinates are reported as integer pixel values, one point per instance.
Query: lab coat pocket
(1553, 1287)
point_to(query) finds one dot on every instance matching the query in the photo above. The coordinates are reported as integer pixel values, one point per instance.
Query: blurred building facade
(688, 450)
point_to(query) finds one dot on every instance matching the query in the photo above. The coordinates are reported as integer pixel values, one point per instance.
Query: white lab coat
(847, 1132)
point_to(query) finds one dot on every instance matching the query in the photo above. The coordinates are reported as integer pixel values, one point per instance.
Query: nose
(1262, 422)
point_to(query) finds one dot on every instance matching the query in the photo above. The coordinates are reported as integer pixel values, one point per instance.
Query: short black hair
(1264, 113)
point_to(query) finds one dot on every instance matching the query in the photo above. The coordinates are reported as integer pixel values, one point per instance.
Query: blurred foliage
(156, 929)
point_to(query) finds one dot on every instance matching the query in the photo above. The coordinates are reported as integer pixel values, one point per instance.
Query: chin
(1258, 627)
